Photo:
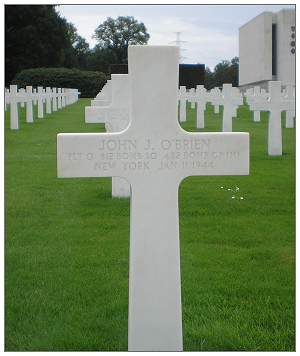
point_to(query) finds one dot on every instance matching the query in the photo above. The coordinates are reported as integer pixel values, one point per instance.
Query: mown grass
(67, 243)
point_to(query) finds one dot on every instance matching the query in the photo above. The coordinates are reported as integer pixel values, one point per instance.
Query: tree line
(37, 36)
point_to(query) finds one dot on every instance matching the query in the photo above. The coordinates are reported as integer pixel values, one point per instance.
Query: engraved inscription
(132, 155)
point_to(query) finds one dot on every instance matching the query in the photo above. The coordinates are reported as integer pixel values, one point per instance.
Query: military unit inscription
(152, 154)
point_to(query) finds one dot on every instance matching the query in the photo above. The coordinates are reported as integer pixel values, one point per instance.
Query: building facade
(267, 49)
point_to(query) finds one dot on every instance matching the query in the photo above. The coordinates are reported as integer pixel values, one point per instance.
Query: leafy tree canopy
(118, 34)
(35, 36)
(224, 72)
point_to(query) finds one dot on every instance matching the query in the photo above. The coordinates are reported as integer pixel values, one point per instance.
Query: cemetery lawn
(67, 246)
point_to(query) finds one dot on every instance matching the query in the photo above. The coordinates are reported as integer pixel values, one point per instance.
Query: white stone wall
(285, 19)
(255, 50)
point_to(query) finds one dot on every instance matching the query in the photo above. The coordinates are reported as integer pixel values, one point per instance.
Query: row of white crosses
(53, 98)
(253, 94)
(275, 102)
(257, 94)
(111, 107)
(230, 98)
(154, 154)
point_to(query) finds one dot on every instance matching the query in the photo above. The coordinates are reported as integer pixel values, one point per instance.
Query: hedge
(89, 83)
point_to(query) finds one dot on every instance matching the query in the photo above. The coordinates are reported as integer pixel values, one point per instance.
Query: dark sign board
(190, 75)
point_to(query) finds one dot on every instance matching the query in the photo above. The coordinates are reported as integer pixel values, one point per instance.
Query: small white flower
(228, 189)
(233, 197)
(241, 198)
(222, 187)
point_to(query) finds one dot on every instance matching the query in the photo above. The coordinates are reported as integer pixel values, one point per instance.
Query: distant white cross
(200, 98)
(290, 114)
(29, 114)
(40, 97)
(116, 118)
(230, 99)
(154, 154)
(54, 99)
(191, 95)
(104, 97)
(275, 103)
(182, 96)
(215, 95)
(48, 100)
(13, 101)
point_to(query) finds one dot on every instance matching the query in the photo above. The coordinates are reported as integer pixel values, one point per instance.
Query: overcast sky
(210, 31)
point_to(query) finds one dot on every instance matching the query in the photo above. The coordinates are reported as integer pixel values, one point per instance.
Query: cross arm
(92, 154)
(96, 114)
(219, 153)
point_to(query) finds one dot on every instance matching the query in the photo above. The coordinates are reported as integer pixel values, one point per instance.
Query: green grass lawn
(67, 245)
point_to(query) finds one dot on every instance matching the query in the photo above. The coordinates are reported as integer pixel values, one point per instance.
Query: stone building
(267, 49)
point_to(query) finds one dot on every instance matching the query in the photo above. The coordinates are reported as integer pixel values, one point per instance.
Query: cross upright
(275, 103)
(29, 114)
(256, 113)
(14, 113)
(290, 114)
(182, 96)
(154, 154)
(214, 98)
(252, 95)
(59, 98)
(191, 97)
(118, 107)
(40, 96)
(104, 97)
(116, 118)
(54, 99)
(48, 100)
(200, 98)
(230, 99)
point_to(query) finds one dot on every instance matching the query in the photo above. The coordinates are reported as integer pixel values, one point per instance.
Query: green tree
(82, 51)
(117, 34)
(224, 72)
(35, 36)
(209, 80)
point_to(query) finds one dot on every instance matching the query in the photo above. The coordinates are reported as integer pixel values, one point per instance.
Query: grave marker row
(274, 102)
(111, 107)
(53, 98)
(230, 98)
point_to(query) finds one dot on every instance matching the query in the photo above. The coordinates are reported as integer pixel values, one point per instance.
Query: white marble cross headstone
(104, 97)
(200, 99)
(256, 113)
(13, 101)
(29, 114)
(48, 100)
(35, 96)
(252, 95)
(182, 96)
(6, 98)
(63, 97)
(275, 104)
(54, 99)
(290, 114)
(214, 98)
(154, 154)
(230, 99)
(116, 118)
(192, 92)
(22, 97)
(59, 98)
(40, 96)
